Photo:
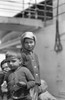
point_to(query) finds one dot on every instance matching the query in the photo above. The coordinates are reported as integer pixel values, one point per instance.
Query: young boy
(19, 79)
(30, 59)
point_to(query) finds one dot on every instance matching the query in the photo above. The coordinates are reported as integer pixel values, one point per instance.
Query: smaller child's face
(29, 44)
(5, 67)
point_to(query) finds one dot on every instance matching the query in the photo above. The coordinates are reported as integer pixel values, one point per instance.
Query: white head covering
(28, 35)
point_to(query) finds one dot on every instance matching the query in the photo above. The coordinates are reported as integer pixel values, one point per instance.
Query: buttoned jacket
(20, 74)
(30, 60)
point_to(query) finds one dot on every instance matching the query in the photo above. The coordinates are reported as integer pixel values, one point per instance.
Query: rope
(58, 46)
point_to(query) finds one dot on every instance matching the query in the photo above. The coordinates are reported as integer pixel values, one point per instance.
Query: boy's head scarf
(29, 35)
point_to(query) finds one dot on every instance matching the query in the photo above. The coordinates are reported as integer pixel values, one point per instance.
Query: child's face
(5, 67)
(14, 63)
(29, 44)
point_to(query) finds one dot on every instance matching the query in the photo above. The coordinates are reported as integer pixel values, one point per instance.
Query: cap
(28, 35)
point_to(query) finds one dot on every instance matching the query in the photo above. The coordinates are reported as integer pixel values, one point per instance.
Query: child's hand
(22, 84)
(4, 87)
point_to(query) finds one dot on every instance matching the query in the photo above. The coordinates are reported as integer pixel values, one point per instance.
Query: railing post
(23, 9)
(29, 13)
(36, 15)
(45, 14)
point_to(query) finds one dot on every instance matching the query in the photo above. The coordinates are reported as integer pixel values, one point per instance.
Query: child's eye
(31, 42)
(13, 61)
(26, 42)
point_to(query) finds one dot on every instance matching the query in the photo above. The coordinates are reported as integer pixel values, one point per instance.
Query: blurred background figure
(5, 68)
(45, 95)
(1, 81)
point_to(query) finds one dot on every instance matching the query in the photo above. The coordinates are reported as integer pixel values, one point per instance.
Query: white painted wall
(52, 64)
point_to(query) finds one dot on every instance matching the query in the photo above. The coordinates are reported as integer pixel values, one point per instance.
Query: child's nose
(29, 44)
(10, 62)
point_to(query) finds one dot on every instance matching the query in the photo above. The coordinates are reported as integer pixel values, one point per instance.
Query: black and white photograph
(32, 46)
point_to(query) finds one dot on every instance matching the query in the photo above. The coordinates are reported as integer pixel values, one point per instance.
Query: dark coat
(30, 60)
(20, 74)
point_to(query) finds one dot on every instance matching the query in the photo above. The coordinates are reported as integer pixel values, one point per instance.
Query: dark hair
(3, 62)
(11, 54)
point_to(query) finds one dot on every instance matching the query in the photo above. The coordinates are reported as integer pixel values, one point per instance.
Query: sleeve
(6, 76)
(1, 77)
(38, 81)
(37, 60)
(30, 79)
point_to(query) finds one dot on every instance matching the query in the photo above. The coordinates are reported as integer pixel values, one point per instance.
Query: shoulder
(24, 69)
(1, 74)
(8, 73)
(36, 56)
(23, 54)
